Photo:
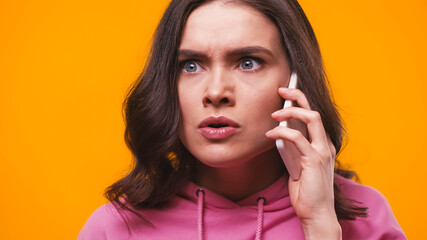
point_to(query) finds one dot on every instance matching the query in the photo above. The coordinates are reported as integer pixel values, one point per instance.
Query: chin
(220, 159)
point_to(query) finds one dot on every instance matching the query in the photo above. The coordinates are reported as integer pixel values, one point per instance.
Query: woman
(202, 123)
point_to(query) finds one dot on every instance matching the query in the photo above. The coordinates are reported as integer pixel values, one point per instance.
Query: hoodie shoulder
(104, 223)
(380, 222)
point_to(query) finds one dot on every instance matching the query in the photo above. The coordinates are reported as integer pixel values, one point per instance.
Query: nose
(219, 89)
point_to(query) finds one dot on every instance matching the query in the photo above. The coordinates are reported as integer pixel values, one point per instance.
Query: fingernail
(269, 132)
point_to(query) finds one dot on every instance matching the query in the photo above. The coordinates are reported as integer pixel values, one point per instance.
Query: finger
(312, 119)
(295, 95)
(293, 136)
(333, 151)
(332, 148)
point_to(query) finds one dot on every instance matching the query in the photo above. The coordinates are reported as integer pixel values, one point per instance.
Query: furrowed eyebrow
(186, 53)
(190, 54)
(249, 50)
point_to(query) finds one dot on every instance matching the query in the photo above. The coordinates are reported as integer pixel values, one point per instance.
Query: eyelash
(259, 60)
(182, 63)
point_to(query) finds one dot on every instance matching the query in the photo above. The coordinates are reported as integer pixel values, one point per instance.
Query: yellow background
(65, 67)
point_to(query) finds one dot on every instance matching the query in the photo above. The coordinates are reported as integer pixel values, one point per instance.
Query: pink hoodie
(206, 215)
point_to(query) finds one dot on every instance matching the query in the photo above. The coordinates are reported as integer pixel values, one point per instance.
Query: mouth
(218, 127)
(218, 122)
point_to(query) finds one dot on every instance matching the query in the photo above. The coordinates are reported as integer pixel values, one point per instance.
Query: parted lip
(214, 121)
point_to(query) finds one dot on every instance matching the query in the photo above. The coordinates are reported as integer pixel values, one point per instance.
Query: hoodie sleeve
(380, 223)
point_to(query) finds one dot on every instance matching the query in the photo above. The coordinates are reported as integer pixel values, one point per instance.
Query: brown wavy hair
(152, 113)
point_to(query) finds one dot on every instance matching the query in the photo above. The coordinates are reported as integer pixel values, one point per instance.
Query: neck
(241, 181)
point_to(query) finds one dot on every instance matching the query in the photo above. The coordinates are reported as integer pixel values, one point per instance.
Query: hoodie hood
(272, 199)
(276, 197)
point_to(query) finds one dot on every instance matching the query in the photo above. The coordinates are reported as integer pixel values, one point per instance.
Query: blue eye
(250, 64)
(191, 67)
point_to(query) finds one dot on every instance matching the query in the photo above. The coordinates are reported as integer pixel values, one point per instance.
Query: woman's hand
(312, 195)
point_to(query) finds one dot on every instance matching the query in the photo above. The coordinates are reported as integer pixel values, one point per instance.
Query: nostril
(216, 101)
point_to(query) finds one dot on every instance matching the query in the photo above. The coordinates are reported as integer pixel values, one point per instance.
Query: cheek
(259, 112)
(264, 91)
(267, 99)
(183, 109)
(188, 108)
(189, 94)
(187, 103)
(184, 100)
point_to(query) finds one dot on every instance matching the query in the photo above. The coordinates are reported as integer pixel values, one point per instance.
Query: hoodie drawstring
(200, 207)
(260, 218)
(200, 202)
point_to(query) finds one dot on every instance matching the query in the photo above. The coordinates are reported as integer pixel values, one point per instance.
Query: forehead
(219, 25)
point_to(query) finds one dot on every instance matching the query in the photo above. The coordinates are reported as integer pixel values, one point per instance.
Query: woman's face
(232, 63)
